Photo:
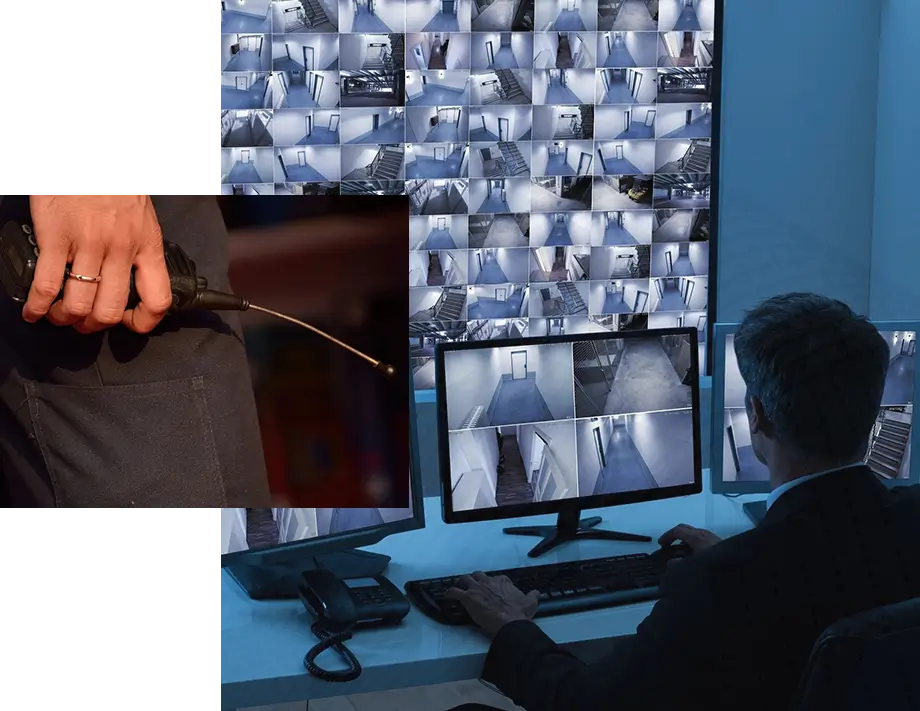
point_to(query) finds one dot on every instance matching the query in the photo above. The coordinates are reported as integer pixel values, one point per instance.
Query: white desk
(263, 643)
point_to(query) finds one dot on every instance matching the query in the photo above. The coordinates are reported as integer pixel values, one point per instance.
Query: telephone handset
(340, 606)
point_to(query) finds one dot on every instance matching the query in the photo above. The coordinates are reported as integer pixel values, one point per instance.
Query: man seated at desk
(736, 623)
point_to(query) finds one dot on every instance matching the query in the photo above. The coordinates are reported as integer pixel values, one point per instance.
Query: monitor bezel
(336, 543)
(495, 513)
(717, 409)
(715, 173)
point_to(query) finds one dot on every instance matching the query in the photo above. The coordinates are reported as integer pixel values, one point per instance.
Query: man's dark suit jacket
(735, 624)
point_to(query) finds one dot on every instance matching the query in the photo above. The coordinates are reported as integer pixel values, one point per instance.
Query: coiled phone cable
(336, 642)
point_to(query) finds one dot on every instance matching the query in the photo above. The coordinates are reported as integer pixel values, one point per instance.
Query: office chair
(866, 661)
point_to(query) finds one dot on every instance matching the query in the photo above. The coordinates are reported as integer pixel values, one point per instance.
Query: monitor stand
(570, 527)
(263, 580)
(755, 510)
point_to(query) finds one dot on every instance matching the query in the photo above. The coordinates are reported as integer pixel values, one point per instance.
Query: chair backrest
(867, 661)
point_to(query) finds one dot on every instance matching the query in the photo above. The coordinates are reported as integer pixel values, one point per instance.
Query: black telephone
(340, 606)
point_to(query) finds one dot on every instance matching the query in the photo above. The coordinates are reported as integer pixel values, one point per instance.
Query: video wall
(557, 156)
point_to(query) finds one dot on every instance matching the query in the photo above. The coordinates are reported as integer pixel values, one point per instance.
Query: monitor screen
(889, 449)
(526, 425)
(251, 529)
(562, 179)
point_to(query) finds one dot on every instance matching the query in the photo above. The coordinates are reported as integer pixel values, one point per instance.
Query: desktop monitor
(561, 424)
(266, 550)
(891, 456)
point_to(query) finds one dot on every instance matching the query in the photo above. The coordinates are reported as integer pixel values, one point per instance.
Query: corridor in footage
(261, 529)
(624, 452)
(490, 271)
(353, 519)
(498, 230)
(635, 375)
(899, 383)
(495, 302)
(511, 485)
(676, 225)
(439, 237)
(623, 468)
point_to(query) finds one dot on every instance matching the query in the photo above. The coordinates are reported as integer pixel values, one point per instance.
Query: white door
(537, 456)
(244, 156)
(301, 158)
(518, 365)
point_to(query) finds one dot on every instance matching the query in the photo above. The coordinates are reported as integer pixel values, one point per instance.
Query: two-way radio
(19, 257)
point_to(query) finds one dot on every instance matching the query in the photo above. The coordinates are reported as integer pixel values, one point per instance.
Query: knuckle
(144, 328)
(79, 309)
(160, 306)
(92, 243)
(108, 317)
(46, 289)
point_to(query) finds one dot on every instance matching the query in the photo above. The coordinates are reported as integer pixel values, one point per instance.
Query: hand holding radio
(140, 305)
(98, 247)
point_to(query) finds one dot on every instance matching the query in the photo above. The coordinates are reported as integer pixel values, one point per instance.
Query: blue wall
(895, 286)
(799, 85)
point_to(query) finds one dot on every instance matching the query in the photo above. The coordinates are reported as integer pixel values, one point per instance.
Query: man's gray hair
(817, 368)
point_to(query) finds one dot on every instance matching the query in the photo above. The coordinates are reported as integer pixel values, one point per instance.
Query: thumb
(533, 596)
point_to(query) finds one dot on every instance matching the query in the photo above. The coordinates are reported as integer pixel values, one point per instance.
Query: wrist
(505, 620)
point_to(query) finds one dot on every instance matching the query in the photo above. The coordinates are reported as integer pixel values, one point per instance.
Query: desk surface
(263, 643)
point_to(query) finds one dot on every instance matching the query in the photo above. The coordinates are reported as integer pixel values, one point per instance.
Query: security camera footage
(531, 138)
(889, 444)
(537, 423)
(251, 529)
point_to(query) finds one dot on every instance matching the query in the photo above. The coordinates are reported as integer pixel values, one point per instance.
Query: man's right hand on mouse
(102, 237)
(698, 539)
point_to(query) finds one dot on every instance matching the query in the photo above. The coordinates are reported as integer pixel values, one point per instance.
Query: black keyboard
(564, 587)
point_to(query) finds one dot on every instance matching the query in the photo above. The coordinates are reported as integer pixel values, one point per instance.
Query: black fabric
(867, 661)
(120, 419)
(735, 625)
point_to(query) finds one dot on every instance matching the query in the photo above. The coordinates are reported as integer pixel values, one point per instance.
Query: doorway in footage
(506, 386)
(624, 452)
(513, 465)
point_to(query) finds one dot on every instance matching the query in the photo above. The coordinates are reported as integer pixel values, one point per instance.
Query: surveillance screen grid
(521, 431)
(888, 454)
(556, 155)
(250, 529)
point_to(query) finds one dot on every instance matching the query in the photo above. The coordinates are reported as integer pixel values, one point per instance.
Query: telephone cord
(336, 642)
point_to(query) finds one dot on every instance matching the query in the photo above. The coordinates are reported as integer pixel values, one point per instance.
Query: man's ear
(756, 416)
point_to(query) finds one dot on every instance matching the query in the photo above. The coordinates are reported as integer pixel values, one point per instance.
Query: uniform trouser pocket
(149, 444)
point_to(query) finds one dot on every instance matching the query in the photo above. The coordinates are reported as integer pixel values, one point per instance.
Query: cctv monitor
(736, 469)
(558, 180)
(266, 550)
(562, 424)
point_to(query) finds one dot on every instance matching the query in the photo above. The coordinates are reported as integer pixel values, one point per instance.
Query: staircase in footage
(889, 443)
